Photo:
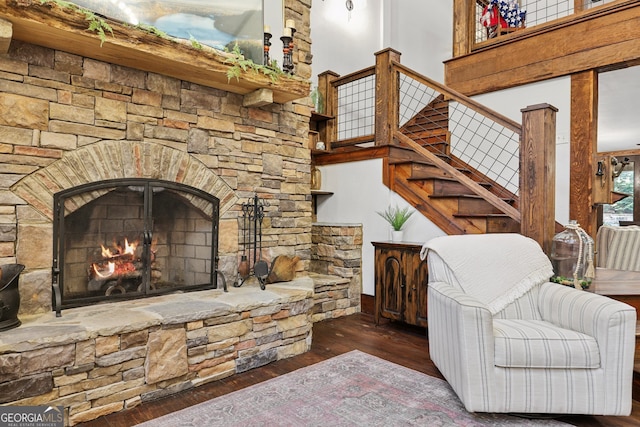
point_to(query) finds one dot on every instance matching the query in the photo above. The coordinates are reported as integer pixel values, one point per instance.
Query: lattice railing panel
(356, 108)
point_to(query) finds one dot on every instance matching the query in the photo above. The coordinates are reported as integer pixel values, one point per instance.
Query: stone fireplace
(99, 154)
(128, 238)
(107, 122)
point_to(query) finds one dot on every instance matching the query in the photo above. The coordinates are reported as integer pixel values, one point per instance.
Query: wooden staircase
(438, 193)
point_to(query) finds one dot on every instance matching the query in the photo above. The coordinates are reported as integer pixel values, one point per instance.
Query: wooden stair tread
(481, 215)
(444, 178)
(458, 195)
(401, 161)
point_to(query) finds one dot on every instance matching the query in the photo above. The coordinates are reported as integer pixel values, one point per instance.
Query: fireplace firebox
(132, 238)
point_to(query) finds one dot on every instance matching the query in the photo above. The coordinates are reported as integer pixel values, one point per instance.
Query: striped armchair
(507, 340)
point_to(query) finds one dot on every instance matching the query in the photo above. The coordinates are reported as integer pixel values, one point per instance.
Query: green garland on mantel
(240, 63)
(234, 57)
(96, 23)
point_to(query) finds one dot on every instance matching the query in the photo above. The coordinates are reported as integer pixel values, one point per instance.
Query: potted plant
(397, 218)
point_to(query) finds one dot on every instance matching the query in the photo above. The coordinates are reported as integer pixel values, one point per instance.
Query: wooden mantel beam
(56, 27)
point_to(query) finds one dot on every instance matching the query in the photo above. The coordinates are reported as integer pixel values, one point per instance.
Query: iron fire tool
(252, 216)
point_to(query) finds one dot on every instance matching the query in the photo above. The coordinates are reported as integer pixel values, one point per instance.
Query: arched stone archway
(120, 159)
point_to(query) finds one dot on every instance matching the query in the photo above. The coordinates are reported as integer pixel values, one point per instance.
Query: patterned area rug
(353, 389)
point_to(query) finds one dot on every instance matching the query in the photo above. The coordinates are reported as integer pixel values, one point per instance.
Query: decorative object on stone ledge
(287, 46)
(251, 262)
(283, 269)
(316, 178)
(267, 44)
(9, 296)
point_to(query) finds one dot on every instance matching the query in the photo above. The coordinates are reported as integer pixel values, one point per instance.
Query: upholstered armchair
(508, 340)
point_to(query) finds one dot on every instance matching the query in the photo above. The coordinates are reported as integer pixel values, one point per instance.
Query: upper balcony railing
(533, 12)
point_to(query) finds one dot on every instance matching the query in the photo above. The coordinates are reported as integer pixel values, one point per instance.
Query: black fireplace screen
(131, 238)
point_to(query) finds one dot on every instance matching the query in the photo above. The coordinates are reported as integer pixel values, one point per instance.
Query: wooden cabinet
(401, 283)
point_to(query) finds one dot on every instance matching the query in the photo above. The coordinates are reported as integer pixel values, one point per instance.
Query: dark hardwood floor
(398, 343)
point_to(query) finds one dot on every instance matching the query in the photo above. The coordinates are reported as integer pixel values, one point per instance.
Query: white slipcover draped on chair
(507, 340)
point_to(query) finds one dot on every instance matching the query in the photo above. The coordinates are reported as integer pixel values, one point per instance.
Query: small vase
(316, 178)
(318, 101)
(396, 236)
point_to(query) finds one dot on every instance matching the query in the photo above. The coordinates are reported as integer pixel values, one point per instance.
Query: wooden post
(387, 89)
(463, 26)
(584, 140)
(538, 174)
(328, 131)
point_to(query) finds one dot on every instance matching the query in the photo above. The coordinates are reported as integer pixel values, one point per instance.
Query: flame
(129, 248)
(118, 260)
(111, 268)
(106, 252)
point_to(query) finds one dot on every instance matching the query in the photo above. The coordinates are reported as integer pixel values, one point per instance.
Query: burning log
(118, 266)
(120, 270)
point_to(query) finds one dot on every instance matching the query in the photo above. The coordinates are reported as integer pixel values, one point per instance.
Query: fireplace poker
(260, 268)
(244, 267)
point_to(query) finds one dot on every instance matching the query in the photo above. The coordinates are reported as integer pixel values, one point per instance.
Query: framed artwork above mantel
(220, 24)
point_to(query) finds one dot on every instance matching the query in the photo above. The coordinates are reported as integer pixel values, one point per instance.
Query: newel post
(387, 89)
(329, 94)
(538, 174)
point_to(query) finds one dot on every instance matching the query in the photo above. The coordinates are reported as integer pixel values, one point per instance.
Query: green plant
(397, 217)
(152, 30)
(96, 23)
(241, 64)
(195, 43)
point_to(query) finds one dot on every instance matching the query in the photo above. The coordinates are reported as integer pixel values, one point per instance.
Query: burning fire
(129, 249)
(118, 260)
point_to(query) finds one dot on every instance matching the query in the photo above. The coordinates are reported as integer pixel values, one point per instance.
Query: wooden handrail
(352, 77)
(494, 200)
(353, 141)
(462, 99)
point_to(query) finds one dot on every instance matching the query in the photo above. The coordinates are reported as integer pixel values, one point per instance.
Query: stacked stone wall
(336, 268)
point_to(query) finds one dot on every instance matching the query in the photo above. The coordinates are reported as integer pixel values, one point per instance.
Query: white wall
(421, 30)
(358, 195)
(341, 43)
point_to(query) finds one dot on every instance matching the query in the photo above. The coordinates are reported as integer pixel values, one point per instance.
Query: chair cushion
(540, 344)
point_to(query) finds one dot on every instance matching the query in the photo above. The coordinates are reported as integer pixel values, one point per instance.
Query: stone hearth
(105, 358)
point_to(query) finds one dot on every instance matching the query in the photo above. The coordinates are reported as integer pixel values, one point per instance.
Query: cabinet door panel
(389, 284)
(416, 309)
(401, 283)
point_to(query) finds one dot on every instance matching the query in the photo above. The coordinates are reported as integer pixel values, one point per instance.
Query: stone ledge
(334, 296)
(105, 358)
(79, 324)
